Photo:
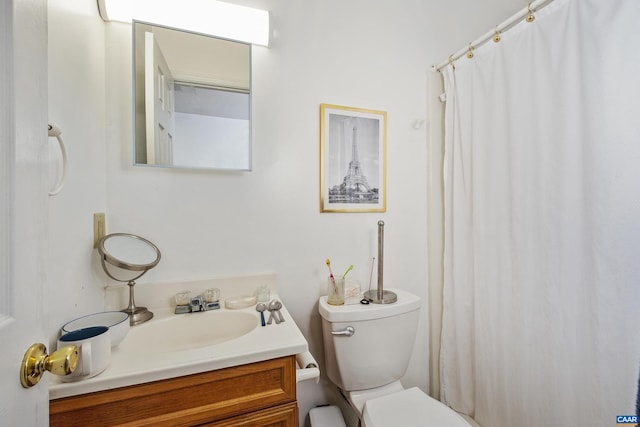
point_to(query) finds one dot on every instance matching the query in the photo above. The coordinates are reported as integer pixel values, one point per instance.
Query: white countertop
(130, 368)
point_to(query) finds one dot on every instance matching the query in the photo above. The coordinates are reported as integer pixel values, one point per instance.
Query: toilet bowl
(367, 350)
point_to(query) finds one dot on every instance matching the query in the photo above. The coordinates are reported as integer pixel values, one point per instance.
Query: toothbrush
(329, 267)
(333, 280)
(348, 270)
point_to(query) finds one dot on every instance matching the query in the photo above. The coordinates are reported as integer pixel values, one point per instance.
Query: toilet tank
(379, 350)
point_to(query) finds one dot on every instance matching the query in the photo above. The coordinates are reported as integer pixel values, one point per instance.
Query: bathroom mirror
(131, 253)
(192, 99)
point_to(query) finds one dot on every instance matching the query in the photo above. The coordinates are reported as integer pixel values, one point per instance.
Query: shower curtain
(541, 315)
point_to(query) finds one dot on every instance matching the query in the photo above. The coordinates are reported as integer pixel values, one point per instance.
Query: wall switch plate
(99, 227)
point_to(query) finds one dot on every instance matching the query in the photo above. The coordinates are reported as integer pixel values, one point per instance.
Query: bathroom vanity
(256, 394)
(176, 370)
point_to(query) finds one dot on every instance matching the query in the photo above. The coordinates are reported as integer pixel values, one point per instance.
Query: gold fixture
(497, 37)
(530, 16)
(99, 228)
(470, 51)
(36, 361)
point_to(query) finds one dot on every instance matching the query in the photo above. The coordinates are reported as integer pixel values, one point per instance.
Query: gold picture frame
(353, 159)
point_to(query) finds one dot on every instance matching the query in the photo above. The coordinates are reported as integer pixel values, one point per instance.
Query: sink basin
(181, 332)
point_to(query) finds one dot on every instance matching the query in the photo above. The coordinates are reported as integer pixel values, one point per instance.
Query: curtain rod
(525, 14)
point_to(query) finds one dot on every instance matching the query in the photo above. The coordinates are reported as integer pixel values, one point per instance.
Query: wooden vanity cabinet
(258, 394)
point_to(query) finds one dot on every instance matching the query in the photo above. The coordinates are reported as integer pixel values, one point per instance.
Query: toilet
(367, 350)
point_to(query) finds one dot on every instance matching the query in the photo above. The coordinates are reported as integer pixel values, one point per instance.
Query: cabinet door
(185, 401)
(279, 416)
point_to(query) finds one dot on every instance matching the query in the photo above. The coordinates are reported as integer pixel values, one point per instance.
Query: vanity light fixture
(210, 17)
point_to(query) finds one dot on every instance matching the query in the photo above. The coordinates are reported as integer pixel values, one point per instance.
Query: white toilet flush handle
(347, 332)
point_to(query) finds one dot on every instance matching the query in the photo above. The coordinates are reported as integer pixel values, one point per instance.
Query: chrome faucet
(197, 304)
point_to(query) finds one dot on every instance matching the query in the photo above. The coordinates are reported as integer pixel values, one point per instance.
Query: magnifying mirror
(131, 253)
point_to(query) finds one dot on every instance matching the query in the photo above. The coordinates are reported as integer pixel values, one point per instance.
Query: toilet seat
(409, 408)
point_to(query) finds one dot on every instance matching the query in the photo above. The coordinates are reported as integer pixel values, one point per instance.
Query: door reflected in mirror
(192, 100)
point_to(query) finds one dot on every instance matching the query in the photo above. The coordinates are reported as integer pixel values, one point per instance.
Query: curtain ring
(498, 36)
(530, 16)
(451, 62)
(470, 51)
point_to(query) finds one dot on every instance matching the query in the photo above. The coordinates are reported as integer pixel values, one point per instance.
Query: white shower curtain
(541, 318)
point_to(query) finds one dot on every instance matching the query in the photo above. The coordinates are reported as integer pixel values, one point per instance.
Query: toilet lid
(409, 408)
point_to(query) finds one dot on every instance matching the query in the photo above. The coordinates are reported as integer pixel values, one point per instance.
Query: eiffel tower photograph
(354, 161)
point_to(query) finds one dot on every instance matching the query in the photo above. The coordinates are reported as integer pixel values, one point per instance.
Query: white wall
(77, 106)
(361, 53)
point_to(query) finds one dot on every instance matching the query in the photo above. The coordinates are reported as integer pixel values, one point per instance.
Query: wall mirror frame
(191, 100)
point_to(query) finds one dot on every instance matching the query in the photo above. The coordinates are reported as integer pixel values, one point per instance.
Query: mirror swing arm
(116, 249)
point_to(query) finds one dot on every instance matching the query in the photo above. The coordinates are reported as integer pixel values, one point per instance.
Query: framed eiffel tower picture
(353, 163)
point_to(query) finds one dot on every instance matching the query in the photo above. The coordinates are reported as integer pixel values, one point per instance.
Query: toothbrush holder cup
(335, 290)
